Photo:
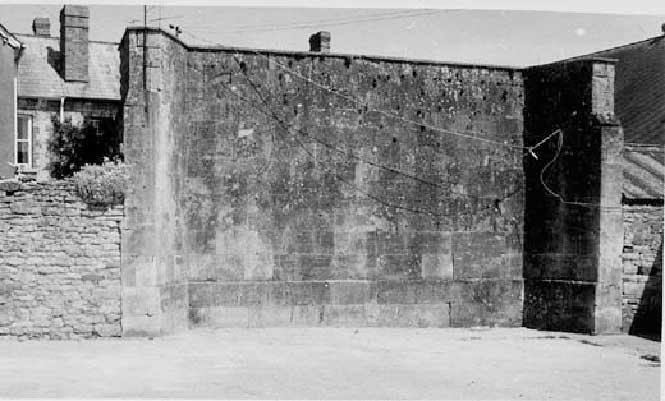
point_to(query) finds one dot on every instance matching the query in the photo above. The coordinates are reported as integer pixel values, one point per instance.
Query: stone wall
(59, 263)
(573, 226)
(280, 203)
(154, 272)
(642, 269)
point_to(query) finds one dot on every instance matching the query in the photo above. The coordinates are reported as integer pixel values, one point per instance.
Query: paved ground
(325, 363)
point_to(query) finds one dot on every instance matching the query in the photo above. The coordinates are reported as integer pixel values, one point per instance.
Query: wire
(397, 116)
(326, 23)
(558, 196)
(286, 127)
(530, 149)
(320, 21)
(272, 113)
(165, 18)
(468, 135)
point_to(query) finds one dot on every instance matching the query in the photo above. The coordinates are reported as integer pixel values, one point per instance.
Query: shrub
(73, 146)
(102, 185)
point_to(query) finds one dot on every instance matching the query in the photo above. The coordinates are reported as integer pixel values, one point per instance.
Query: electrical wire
(324, 23)
(287, 127)
(319, 21)
(469, 135)
(349, 153)
(559, 196)
(353, 186)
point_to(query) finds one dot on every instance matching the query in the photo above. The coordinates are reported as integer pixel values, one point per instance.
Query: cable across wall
(530, 151)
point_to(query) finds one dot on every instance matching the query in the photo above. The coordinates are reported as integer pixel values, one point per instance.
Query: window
(97, 125)
(23, 148)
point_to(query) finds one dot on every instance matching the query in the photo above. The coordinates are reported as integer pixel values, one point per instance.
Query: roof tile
(37, 77)
(639, 90)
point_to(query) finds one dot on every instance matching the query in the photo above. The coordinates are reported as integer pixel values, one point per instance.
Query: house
(65, 78)
(10, 50)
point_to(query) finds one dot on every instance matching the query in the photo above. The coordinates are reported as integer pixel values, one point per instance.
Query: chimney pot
(320, 42)
(74, 42)
(41, 27)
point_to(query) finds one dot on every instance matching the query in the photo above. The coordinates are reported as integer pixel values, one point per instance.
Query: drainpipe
(14, 145)
(62, 109)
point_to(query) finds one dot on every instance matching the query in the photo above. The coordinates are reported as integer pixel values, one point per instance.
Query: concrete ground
(333, 363)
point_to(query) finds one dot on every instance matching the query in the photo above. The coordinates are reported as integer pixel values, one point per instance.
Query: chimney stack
(320, 42)
(41, 27)
(74, 42)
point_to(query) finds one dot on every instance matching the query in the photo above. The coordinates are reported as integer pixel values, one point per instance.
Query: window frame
(27, 140)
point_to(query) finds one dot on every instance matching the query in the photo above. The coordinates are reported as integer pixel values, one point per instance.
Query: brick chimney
(41, 27)
(74, 42)
(320, 42)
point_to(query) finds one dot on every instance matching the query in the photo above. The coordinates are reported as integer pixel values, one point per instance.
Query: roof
(8, 38)
(640, 89)
(38, 77)
(643, 172)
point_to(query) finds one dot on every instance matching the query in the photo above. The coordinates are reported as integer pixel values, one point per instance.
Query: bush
(102, 185)
(73, 146)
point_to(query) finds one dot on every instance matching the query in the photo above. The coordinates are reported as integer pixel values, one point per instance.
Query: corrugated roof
(640, 89)
(38, 75)
(643, 172)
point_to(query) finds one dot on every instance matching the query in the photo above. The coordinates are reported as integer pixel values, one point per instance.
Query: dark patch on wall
(562, 218)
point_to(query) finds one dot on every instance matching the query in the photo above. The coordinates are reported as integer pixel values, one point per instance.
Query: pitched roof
(640, 89)
(38, 75)
(8, 38)
(643, 172)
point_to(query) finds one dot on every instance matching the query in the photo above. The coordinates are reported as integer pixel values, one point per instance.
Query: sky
(500, 37)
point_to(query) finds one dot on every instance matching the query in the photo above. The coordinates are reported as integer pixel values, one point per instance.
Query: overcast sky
(478, 36)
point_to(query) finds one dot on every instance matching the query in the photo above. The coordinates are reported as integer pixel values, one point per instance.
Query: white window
(23, 148)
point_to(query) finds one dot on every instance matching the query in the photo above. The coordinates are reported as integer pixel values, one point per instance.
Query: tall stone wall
(155, 129)
(279, 203)
(573, 220)
(59, 263)
(642, 269)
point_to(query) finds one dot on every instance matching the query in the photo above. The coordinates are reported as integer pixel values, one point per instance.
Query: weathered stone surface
(59, 272)
(250, 174)
(642, 268)
(9, 185)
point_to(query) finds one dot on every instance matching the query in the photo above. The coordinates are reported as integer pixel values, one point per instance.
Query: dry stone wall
(59, 263)
(642, 268)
